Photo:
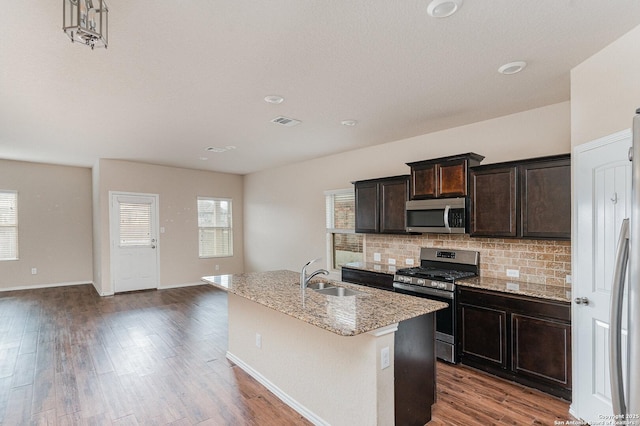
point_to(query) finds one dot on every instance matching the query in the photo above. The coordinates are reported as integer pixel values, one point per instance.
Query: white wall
(178, 190)
(605, 90)
(284, 219)
(337, 378)
(54, 225)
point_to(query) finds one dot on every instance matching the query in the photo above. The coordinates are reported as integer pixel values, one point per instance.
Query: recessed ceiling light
(349, 123)
(443, 8)
(512, 67)
(219, 149)
(274, 99)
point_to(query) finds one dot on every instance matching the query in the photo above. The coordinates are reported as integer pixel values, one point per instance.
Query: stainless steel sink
(338, 291)
(320, 285)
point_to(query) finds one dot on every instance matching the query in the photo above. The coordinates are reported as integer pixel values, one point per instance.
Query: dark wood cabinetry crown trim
(466, 156)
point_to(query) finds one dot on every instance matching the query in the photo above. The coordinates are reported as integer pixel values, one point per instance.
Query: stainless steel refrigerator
(625, 382)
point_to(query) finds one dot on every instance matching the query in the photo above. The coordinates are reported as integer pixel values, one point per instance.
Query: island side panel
(329, 378)
(415, 370)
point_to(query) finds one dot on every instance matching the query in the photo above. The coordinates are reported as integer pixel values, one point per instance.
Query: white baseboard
(31, 287)
(304, 411)
(166, 287)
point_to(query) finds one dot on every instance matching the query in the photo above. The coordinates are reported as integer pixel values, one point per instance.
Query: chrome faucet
(304, 279)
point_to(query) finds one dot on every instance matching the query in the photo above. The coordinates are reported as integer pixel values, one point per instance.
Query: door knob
(581, 301)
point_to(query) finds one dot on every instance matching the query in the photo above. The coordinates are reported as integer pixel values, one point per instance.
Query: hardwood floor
(71, 357)
(470, 397)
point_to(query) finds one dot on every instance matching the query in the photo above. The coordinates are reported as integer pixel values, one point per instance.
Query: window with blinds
(135, 224)
(8, 225)
(215, 232)
(345, 245)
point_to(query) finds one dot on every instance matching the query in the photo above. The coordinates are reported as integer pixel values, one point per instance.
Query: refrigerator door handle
(615, 324)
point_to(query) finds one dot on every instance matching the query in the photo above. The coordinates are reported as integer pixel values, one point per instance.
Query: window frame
(14, 225)
(331, 230)
(230, 227)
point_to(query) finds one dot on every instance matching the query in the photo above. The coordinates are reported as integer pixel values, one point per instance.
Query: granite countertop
(374, 267)
(346, 316)
(541, 291)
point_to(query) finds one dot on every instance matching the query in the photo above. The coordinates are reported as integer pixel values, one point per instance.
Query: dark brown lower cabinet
(378, 280)
(521, 338)
(484, 334)
(535, 342)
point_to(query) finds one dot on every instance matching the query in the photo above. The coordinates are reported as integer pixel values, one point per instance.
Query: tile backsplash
(538, 261)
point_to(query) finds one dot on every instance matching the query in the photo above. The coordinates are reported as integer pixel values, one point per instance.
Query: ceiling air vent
(286, 121)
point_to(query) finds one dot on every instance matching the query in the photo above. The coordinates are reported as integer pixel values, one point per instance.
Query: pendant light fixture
(86, 22)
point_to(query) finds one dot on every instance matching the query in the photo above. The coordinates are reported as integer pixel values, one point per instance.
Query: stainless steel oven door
(445, 318)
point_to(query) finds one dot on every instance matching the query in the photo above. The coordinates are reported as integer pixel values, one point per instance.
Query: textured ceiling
(180, 76)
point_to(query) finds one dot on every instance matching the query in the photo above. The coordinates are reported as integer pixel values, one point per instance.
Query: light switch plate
(513, 273)
(384, 358)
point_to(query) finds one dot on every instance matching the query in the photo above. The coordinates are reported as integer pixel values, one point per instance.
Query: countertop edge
(316, 321)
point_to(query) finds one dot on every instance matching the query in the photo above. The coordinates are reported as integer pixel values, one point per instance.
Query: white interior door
(602, 199)
(134, 241)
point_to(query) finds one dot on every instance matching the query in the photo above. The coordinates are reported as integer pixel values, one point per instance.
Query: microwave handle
(446, 217)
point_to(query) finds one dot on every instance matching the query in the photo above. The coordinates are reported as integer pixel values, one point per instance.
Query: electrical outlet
(162, 229)
(34, 271)
(408, 261)
(513, 286)
(513, 273)
(217, 267)
(258, 341)
(567, 279)
(384, 358)
(377, 257)
(392, 261)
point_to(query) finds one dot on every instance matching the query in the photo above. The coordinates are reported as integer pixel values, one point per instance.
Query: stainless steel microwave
(439, 215)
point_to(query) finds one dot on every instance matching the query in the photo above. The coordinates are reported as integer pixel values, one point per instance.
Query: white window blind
(135, 224)
(344, 245)
(215, 231)
(8, 225)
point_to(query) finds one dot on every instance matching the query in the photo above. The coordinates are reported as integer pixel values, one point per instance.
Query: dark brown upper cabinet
(381, 205)
(527, 199)
(546, 199)
(494, 206)
(442, 177)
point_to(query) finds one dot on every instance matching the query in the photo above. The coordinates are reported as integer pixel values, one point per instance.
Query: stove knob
(434, 284)
(407, 279)
(420, 282)
(442, 285)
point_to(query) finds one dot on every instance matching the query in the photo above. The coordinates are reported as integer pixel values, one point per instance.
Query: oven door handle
(425, 290)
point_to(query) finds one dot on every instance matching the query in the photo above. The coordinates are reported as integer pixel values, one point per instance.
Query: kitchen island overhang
(324, 355)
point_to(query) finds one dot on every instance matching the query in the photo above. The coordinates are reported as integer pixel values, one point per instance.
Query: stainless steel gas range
(435, 279)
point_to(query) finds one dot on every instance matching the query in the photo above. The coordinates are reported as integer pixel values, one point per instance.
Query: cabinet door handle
(581, 301)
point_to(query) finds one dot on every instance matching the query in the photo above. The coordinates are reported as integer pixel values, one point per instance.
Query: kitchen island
(366, 359)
